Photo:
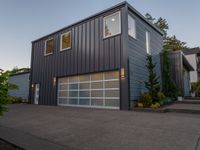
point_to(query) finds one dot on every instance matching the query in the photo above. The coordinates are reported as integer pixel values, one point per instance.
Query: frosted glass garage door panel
(91, 90)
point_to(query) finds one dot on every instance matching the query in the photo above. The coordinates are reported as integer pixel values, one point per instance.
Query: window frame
(61, 37)
(147, 42)
(45, 47)
(104, 20)
(134, 28)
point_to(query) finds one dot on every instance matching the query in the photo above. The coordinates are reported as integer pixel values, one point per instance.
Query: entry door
(37, 88)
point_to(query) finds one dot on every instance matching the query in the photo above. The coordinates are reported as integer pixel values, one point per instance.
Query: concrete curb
(188, 102)
(28, 141)
(166, 110)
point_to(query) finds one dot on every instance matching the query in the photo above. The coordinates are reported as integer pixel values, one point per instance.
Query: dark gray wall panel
(89, 53)
(137, 56)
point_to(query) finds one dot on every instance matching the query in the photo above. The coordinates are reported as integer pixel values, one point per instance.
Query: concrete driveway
(51, 127)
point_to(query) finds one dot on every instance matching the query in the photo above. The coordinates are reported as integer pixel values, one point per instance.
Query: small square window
(49, 46)
(131, 27)
(112, 25)
(65, 41)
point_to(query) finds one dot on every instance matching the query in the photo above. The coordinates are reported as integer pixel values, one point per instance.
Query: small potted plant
(180, 97)
(193, 90)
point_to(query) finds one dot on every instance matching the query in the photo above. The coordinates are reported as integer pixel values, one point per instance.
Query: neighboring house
(97, 62)
(193, 56)
(181, 71)
(21, 79)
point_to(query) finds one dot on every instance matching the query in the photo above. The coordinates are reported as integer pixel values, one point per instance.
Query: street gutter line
(197, 144)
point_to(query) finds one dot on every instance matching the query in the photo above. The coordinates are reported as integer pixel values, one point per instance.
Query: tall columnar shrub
(4, 87)
(152, 84)
(168, 86)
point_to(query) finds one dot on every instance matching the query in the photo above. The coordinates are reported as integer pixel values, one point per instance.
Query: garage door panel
(97, 76)
(97, 85)
(83, 86)
(63, 100)
(63, 87)
(112, 102)
(73, 101)
(73, 86)
(111, 75)
(97, 102)
(112, 84)
(83, 101)
(93, 90)
(84, 94)
(73, 79)
(97, 93)
(112, 93)
(73, 93)
(84, 78)
(63, 93)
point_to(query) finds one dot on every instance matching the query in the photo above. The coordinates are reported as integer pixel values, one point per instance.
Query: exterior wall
(186, 82)
(89, 53)
(137, 56)
(22, 81)
(180, 73)
(193, 61)
(177, 69)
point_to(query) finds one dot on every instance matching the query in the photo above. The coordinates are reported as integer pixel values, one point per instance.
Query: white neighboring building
(193, 56)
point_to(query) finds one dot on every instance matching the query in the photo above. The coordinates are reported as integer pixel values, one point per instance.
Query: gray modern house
(21, 79)
(97, 62)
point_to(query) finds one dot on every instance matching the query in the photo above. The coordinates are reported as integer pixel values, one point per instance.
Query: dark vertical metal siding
(89, 53)
(177, 69)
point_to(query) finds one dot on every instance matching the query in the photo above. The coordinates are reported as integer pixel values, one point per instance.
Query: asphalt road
(63, 128)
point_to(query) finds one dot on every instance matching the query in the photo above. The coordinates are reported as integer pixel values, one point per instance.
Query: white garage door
(91, 90)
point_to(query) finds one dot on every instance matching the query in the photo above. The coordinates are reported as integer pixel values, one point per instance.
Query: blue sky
(22, 21)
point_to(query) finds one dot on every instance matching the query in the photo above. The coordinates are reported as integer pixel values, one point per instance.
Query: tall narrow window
(112, 25)
(65, 41)
(49, 46)
(148, 42)
(131, 27)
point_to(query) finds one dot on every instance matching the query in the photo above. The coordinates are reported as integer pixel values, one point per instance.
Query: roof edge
(143, 18)
(82, 20)
(19, 73)
(124, 3)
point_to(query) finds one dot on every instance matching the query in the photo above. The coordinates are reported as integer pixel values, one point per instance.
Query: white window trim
(134, 28)
(45, 46)
(61, 41)
(104, 19)
(148, 47)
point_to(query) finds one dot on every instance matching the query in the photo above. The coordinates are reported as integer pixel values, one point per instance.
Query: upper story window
(131, 27)
(65, 41)
(112, 25)
(147, 34)
(49, 46)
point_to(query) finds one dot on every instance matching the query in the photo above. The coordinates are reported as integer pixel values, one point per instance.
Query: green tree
(170, 42)
(149, 18)
(4, 87)
(162, 24)
(168, 86)
(14, 70)
(153, 84)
